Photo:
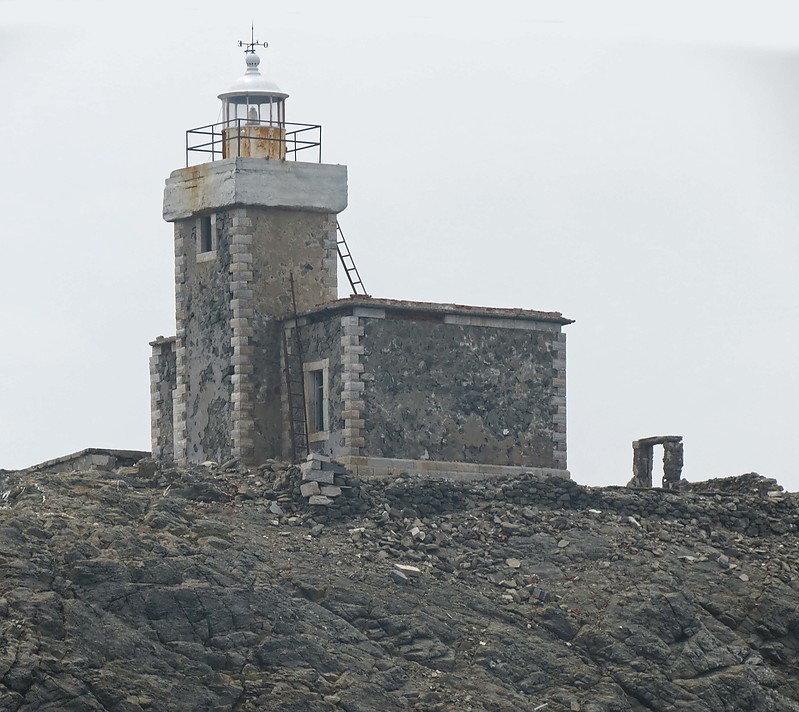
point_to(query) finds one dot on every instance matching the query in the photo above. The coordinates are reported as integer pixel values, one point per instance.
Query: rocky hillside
(223, 589)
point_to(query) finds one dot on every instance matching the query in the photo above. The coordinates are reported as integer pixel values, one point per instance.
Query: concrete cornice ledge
(255, 182)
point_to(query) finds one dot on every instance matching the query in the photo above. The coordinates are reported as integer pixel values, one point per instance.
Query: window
(206, 236)
(316, 416)
(316, 399)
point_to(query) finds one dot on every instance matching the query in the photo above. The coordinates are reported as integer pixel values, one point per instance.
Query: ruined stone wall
(205, 332)
(463, 392)
(163, 378)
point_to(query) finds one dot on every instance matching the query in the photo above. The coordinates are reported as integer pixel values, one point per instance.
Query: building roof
(247, 88)
(407, 308)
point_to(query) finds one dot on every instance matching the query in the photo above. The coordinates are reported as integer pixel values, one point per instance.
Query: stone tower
(260, 212)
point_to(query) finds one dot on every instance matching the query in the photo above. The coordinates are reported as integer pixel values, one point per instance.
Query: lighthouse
(254, 111)
(254, 215)
(268, 362)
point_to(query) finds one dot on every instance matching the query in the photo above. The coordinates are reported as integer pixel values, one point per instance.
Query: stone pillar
(672, 464)
(559, 401)
(352, 385)
(180, 432)
(162, 384)
(642, 464)
(242, 313)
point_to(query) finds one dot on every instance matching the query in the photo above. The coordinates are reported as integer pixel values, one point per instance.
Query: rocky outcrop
(150, 588)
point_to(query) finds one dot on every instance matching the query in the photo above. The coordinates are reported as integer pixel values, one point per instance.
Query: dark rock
(119, 595)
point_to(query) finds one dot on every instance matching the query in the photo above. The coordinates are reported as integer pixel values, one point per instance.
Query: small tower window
(206, 236)
(316, 416)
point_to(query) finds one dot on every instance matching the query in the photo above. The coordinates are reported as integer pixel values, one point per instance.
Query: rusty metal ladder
(356, 283)
(295, 386)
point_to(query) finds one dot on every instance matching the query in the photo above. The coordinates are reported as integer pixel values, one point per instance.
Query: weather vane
(252, 44)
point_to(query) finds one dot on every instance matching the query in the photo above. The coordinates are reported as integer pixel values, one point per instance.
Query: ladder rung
(349, 268)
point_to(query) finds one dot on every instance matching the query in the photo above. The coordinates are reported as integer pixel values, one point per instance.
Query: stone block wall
(204, 342)
(162, 383)
(431, 387)
(287, 242)
(243, 351)
(267, 247)
(320, 341)
(353, 385)
(282, 244)
(266, 387)
(643, 460)
(463, 390)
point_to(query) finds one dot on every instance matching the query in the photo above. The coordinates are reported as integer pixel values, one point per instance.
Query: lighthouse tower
(254, 215)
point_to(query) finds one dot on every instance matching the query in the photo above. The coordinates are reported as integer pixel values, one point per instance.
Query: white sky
(632, 165)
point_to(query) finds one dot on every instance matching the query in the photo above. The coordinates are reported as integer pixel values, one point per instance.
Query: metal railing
(207, 140)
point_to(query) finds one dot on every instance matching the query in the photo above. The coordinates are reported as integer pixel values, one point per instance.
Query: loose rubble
(323, 480)
(226, 588)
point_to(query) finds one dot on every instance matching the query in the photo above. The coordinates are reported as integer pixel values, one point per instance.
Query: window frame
(207, 237)
(317, 398)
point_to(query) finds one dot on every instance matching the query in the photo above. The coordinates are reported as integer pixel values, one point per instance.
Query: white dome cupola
(254, 112)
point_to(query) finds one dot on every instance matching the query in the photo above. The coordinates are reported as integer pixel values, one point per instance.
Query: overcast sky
(632, 165)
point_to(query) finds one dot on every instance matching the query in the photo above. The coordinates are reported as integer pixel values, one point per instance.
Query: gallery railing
(302, 142)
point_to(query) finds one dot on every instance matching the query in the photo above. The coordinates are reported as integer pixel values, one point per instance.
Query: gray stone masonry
(321, 347)
(429, 387)
(162, 384)
(672, 463)
(179, 436)
(320, 479)
(352, 385)
(242, 421)
(206, 323)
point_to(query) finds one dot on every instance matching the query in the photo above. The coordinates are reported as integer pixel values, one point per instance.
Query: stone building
(268, 362)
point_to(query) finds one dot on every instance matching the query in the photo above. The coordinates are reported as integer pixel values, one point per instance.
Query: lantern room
(254, 114)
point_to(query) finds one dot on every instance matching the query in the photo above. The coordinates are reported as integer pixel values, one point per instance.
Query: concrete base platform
(368, 467)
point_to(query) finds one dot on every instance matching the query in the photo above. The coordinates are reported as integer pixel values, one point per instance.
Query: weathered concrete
(643, 457)
(375, 308)
(258, 141)
(255, 182)
(377, 467)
